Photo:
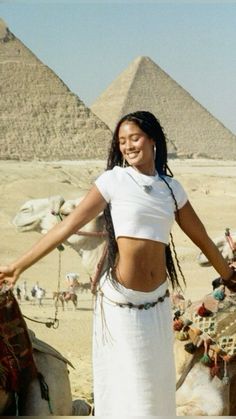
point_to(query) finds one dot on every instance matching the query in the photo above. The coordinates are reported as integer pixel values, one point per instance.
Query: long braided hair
(149, 124)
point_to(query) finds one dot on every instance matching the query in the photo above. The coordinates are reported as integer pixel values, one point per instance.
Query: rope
(56, 320)
(44, 391)
(52, 322)
(47, 323)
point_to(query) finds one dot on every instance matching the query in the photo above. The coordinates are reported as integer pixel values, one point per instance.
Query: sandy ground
(211, 186)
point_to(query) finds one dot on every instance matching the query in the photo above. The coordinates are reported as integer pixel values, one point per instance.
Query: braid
(169, 259)
(112, 244)
(151, 126)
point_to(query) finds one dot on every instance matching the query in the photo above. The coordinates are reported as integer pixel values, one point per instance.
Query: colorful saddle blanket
(17, 366)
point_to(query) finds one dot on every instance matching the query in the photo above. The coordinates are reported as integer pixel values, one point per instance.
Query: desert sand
(211, 186)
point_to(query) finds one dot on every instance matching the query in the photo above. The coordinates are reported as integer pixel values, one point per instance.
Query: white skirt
(133, 360)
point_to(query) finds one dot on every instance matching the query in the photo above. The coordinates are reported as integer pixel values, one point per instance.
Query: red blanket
(17, 367)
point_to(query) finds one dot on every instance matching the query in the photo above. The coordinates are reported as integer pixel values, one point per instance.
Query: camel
(223, 246)
(65, 296)
(84, 287)
(199, 395)
(41, 215)
(54, 369)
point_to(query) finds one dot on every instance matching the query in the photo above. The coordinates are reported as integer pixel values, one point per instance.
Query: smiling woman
(137, 148)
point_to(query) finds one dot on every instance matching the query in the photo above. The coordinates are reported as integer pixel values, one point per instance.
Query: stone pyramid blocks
(40, 117)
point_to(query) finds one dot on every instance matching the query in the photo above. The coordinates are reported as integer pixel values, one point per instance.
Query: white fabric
(133, 362)
(141, 206)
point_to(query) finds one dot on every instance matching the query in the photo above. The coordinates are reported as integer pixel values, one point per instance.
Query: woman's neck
(149, 171)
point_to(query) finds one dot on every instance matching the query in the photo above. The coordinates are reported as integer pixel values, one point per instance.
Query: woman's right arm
(89, 208)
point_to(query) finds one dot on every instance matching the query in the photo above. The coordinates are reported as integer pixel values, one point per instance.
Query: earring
(154, 152)
(123, 163)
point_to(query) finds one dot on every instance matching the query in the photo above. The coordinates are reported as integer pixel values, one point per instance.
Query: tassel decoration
(205, 359)
(177, 315)
(219, 293)
(225, 379)
(186, 325)
(203, 311)
(181, 335)
(215, 369)
(178, 324)
(190, 347)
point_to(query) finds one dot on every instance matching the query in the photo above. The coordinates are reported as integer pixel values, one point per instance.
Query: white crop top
(141, 206)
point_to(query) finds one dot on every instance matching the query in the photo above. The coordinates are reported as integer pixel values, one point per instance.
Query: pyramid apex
(5, 34)
(142, 58)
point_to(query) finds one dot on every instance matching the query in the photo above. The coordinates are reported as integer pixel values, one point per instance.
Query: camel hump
(45, 348)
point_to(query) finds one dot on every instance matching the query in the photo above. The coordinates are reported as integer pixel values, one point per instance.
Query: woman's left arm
(192, 226)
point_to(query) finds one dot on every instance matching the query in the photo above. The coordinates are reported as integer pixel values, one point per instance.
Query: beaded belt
(144, 306)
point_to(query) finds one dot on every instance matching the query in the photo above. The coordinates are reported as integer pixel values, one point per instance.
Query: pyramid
(40, 117)
(191, 130)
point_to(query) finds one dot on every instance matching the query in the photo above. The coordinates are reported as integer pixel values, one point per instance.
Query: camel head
(36, 214)
(42, 214)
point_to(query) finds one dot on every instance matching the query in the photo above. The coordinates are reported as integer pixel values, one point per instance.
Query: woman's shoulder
(170, 180)
(115, 172)
(175, 185)
(111, 174)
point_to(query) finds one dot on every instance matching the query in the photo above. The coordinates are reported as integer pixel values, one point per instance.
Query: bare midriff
(141, 264)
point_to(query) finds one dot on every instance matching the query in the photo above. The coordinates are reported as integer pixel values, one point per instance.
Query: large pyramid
(40, 117)
(191, 130)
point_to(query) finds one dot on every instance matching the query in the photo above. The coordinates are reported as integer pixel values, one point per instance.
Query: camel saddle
(45, 348)
(214, 320)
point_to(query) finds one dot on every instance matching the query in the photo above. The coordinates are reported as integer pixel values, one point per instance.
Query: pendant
(147, 188)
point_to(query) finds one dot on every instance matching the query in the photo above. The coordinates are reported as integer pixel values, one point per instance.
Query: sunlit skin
(140, 263)
(137, 148)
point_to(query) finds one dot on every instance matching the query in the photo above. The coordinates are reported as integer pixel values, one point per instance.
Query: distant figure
(18, 293)
(34, 289)
(40, 293)
(73, 284)
(24, 291)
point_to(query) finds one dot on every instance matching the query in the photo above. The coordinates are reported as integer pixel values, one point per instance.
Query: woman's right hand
(231, 282)
(8, 276)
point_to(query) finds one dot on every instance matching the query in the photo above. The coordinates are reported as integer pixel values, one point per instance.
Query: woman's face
(136, 147)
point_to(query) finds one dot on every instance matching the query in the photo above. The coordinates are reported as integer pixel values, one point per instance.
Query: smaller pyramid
(191, 130)
(40, 117)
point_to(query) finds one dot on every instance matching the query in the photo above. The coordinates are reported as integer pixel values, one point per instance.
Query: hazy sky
(89, 43)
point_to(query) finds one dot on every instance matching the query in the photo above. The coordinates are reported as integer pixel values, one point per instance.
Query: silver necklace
(143, 181)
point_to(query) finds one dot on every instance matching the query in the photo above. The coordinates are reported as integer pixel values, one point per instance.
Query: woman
(132, 346)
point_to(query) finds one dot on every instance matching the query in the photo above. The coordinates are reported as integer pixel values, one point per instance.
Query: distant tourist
(18, 293)
(40, 293)
(25, 291)
(72, 281)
